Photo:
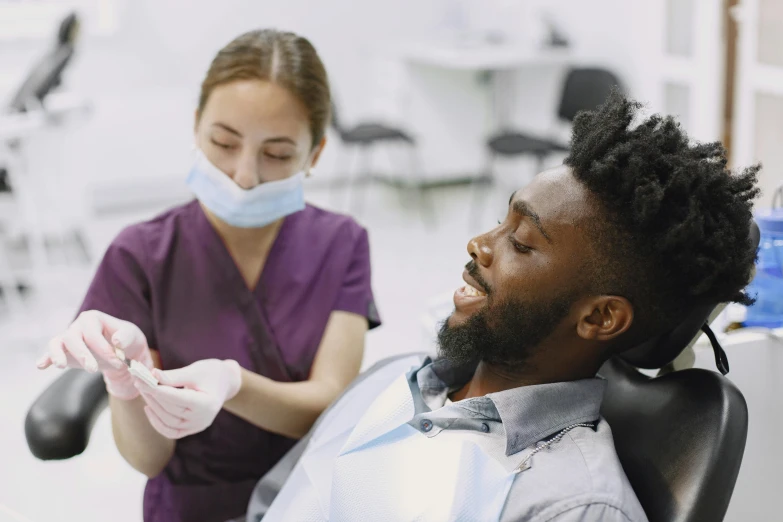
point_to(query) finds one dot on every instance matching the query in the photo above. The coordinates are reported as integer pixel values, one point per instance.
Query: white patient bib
(388, 471)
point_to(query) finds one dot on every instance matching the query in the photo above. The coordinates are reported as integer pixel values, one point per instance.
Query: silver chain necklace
(526, 464)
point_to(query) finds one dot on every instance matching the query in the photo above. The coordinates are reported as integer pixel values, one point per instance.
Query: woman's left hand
(188, 399)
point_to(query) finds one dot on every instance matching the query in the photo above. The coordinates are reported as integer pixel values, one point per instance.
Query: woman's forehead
(258, 108)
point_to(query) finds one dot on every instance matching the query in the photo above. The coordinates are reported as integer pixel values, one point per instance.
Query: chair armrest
(59, 422)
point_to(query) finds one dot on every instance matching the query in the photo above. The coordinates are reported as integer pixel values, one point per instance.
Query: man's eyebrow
(523, 209)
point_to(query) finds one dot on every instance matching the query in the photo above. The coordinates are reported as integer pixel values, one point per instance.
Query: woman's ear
(316, 154)
(605, 318)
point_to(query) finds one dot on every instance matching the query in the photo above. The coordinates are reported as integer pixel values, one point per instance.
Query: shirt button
(484, 427)
(426, 425)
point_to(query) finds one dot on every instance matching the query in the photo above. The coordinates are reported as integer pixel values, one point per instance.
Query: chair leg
(398, 168)
(484, 182)
(539, 164)
(364, 176)
(342, 161)
(12, 294)
(423, 201)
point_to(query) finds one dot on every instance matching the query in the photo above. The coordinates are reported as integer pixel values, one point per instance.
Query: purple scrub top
(174, 278)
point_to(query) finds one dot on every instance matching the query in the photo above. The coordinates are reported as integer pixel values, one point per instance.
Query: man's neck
(490, 378)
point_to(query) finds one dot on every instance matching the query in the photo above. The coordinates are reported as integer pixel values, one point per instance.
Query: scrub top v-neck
(174, 277)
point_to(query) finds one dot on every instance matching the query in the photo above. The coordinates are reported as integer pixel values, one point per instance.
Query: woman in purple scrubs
(247, 273)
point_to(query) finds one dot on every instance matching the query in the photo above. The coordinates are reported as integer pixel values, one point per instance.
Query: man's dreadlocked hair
(677, 228)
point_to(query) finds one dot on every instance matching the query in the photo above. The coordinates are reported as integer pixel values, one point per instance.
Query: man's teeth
(473, 292)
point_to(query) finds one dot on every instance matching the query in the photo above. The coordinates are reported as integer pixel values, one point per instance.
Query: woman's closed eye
(281, 157)
(222, 145)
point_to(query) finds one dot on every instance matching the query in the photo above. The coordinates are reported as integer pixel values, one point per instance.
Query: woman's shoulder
(321, 222)
(158, 232)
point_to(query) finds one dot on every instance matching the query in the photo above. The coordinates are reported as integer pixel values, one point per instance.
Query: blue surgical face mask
(245, 208)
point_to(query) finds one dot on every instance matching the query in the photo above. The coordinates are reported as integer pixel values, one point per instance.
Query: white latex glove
(187, 400)
(90, 343)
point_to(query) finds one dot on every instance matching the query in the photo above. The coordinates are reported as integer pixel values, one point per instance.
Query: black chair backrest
(680, 439)
(47, 73)
(584, 90)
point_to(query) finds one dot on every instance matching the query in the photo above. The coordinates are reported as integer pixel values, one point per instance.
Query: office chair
(47, 73)
(583, 89)
(680, 436)
(364, 137)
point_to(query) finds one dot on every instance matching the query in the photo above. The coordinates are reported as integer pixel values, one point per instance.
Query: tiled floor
(414, 267)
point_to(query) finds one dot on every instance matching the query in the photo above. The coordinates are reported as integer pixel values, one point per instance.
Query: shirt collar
(528, 413)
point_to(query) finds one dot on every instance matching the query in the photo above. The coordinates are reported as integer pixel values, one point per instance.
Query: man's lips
(469, 299)
(473, 284)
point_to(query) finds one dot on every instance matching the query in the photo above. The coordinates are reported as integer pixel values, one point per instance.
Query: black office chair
(584, 89)
(46, 75)
(680, 436)
(363, 138)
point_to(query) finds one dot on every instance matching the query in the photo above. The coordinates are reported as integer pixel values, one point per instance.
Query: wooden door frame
(730, 31)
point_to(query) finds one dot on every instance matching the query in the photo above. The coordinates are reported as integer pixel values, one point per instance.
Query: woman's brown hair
(284, 58)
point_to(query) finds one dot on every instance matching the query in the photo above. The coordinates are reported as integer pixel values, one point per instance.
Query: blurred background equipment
(35, 108)
(767, 285)
(47, 73)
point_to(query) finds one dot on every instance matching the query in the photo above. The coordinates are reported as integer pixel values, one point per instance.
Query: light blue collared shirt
(578, 477)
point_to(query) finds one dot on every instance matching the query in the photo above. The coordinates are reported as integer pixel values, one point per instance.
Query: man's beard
(504, 334)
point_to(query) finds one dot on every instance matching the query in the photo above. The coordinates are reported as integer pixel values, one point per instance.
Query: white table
(481, 57)
(488, 61)
(452, 96)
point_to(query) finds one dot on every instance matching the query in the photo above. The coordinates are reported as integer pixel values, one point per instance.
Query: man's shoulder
(580, 472)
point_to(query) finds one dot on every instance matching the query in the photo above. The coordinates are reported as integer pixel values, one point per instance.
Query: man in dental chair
(595, 256)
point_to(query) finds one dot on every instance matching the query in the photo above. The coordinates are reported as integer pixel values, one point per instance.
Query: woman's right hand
(90, 343)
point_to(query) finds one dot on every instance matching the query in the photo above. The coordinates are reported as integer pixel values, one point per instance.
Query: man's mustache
(473, 271)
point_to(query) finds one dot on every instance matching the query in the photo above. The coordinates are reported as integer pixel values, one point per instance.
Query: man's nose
(480, 251)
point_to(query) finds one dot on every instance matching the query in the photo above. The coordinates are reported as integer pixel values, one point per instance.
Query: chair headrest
(663, 349)
(680, 439)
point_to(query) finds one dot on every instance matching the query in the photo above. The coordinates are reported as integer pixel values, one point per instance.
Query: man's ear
(604, 318)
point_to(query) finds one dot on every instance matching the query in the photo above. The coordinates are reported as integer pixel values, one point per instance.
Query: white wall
(144, 79)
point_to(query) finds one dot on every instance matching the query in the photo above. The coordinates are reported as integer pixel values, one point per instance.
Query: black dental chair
(680, 436)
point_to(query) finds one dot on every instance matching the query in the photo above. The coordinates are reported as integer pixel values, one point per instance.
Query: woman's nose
(480, 251)
(246, 174)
